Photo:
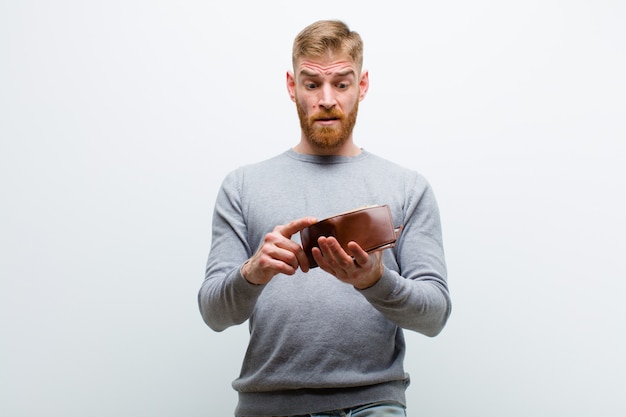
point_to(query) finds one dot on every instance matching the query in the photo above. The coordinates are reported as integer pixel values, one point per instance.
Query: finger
(295, 226)
(303, 260)
(296, 253)
(334, 253)
(360, 256)
(322, 262)
(286, 254)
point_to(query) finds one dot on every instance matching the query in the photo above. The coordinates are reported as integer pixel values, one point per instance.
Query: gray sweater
(316, 343)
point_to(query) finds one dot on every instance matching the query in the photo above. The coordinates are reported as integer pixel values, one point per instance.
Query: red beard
(327, 137)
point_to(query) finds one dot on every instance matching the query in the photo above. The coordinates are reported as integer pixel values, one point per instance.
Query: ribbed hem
(304, 401)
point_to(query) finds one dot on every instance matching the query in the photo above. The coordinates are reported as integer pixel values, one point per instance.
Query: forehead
(329, 65)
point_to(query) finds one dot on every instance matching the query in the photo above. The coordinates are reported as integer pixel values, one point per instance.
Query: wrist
(365, 284)
(245, 271)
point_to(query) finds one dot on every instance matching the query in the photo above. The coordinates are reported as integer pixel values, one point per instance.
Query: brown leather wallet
(371, 227)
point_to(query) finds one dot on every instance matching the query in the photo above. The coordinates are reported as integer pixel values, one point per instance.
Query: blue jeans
(384, 409)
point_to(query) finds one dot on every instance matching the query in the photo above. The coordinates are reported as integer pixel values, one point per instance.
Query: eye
(310, 86)
(342, 86)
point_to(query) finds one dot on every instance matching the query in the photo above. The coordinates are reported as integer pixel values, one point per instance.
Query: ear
(364, 84)
(291, 85)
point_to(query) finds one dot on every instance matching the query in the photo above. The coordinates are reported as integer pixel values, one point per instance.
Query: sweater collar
(326, 159)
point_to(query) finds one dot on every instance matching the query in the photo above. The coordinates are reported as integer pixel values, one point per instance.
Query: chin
(327, 144)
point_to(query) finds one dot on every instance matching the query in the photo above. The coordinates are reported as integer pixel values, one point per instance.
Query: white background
(119, 119)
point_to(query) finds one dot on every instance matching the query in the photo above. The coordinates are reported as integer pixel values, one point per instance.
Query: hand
(278, 254)
(353, 266)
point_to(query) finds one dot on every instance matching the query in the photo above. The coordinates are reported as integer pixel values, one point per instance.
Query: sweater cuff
(385, 286)
(242, 286)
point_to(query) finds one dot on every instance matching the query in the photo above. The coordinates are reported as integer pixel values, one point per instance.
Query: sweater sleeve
(416, 296)
(225, 297)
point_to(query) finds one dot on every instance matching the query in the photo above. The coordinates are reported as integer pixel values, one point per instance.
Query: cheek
(349, 104)
(304, 105)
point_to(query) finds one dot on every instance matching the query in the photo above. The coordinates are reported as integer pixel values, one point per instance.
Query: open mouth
(326, 118)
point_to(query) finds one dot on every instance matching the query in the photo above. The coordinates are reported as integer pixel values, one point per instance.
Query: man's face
(327, 92)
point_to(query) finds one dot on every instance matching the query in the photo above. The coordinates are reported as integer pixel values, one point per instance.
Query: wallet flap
(371, 227)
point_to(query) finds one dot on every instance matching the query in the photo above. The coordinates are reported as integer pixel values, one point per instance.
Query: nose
(327, 98)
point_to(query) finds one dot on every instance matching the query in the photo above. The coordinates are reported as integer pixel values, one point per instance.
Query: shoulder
(257, 168)
(393, 170)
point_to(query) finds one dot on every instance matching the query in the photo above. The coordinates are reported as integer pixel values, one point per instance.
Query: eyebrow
(342, 73)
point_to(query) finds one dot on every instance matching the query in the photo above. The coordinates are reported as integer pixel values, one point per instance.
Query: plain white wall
(119, 119)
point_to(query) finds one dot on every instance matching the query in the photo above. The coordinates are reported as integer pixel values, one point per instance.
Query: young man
(329, 338)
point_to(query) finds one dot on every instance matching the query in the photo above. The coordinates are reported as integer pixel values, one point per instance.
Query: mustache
(327, 114)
